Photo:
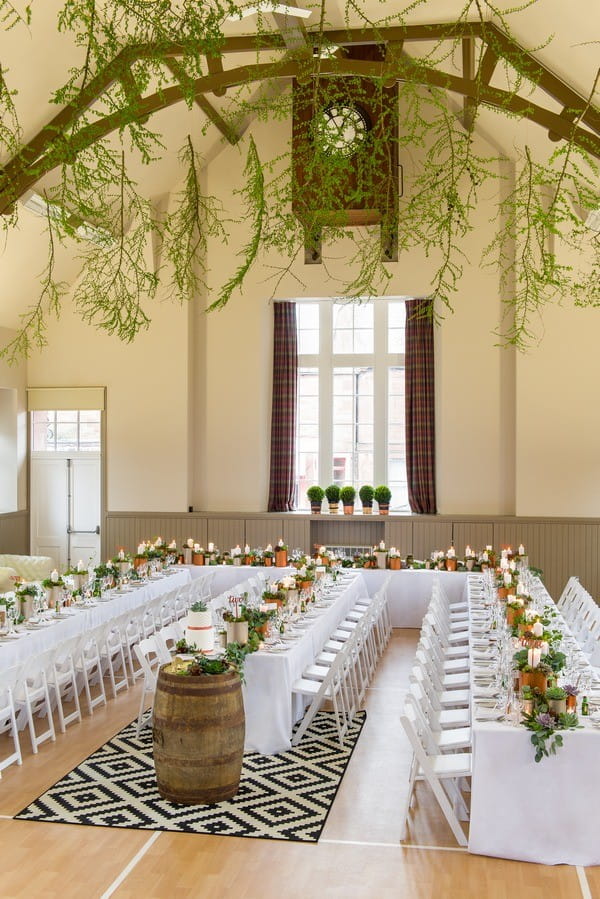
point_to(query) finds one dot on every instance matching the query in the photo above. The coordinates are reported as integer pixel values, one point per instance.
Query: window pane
(343, 409)
(89, 433)
(396, 315)
(342, 316)
(363, 341)
(307, 315)
(365, 469)
(307, 441)
(343, 439)
(363, 315)
(365, 408)
(67, 415)
(396, 381)
(308, 382)
(89, 415)
(343, 382)
(308, 409)
(308, 342)
(342, 341)
(66, 436)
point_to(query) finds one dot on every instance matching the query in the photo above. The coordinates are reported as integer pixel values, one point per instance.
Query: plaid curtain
(420, 407)
(283, 417)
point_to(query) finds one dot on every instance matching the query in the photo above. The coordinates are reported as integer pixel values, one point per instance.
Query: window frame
(325, 361)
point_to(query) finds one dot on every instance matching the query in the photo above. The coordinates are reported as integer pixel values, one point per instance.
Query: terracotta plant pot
(450, 564)
(512, 615)
(281, 558)
(571, 703)
(139, 561)
(349, 510)
(237, 632)
(263, 629)
(384, 508)
(315, 508)
(268, 561)
(198, 559)
(395, 564)
(533, 679)
(502, 592)
(557, 707)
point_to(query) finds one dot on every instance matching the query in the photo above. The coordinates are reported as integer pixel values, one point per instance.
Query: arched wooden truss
(60, 139)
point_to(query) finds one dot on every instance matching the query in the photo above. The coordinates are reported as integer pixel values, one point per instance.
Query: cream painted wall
(558, 425)
(146, 405)
(15, 377)
(469, 367)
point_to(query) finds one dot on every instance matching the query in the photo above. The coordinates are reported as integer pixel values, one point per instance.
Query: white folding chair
(148, 655)
(32, 698)
(63, 681)
(88, 667)
(332, 688)
(443, 773)
(8, 720)
(167, 638)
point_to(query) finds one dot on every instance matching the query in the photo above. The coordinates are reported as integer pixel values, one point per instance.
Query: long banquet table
(79, 620)
(271, 711)
(409, 590)
(546, 812)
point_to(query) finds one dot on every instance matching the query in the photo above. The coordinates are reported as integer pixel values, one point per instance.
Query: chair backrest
(148, 655)
(166, 638)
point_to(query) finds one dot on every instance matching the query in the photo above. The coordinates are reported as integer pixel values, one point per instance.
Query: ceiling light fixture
(268, 6)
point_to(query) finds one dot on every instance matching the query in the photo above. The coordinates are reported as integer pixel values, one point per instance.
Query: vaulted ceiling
(565, 38)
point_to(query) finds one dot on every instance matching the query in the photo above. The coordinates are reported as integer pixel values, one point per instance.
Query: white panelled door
(65, 507)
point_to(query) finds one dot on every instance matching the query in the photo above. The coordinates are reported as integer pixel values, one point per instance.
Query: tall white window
(350, 426)
(70, 430)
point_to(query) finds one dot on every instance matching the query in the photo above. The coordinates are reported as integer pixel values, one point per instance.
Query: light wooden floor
(359, 854)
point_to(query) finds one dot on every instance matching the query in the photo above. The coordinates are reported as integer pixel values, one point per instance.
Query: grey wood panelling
(226, 533)
(128, 531)
(430, 535)
(399, 534)
(296, 533)
(560, 547)
(475, 534)
(261, 532)
(346, 531)
(14, 533)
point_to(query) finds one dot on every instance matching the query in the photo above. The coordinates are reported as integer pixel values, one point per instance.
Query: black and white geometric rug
(281, 797)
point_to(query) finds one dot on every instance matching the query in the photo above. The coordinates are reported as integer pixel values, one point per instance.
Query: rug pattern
(281, 797)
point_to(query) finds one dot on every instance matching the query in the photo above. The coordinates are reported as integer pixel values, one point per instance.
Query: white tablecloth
(546, 812)
(409, 590)
(84, 619)
(270, 712)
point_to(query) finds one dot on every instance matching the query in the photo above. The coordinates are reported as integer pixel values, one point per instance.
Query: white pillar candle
(280, 542)
(211, 547)
(269, 548)
(521, 549)
(538, 629)
(80, 565)
(504, 563)
(507, 579)
(451, 553)
(544, 648)
(530, 658)
(382, 546)
(196, 547)
(54, 575)
(121, 556)
(520, 588)
(468, 551)
(190, 543)
(246, 549)
(537, 655)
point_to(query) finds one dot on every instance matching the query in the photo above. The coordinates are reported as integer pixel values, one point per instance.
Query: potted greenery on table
(347, 496)
(366, 494)
(333, 498)
(315, 496)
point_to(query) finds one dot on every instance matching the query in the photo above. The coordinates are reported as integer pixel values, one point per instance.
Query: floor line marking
(583, 883)
(397, 846)
(129, 868)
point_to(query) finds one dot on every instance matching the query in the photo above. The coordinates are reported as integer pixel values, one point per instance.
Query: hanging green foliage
(137, 58)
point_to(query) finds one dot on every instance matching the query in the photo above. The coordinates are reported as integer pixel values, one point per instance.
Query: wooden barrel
(198, 733)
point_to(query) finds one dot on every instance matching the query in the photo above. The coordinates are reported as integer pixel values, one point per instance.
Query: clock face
(342, 129)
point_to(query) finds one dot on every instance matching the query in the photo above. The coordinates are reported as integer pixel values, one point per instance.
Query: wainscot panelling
(226, 533)
(560, 547)
(14, 533)
(262, 532)
(346, 531)
(400, 535)
(476, 534)
(296, 534)
(430, 534)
